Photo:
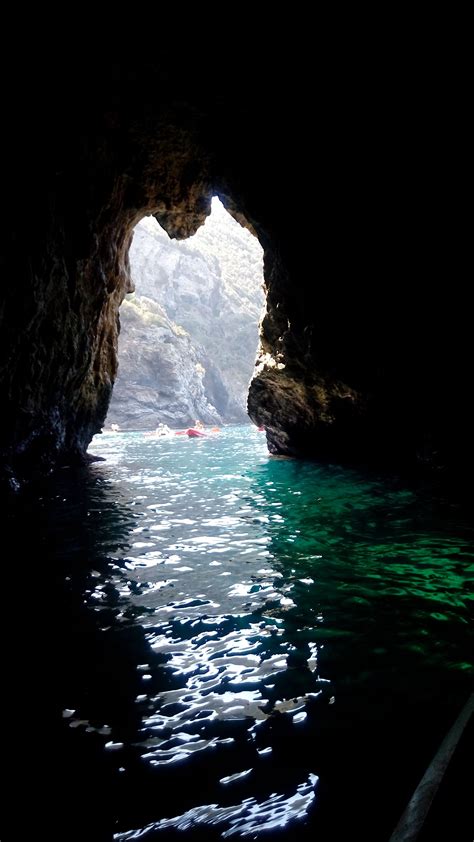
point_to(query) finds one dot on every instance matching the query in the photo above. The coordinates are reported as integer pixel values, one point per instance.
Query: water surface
(241, 646)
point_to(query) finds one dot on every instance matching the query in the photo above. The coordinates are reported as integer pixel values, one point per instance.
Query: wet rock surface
(358, 218)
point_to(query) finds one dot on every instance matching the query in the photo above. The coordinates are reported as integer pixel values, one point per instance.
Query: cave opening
(209, 623)
(189, 331)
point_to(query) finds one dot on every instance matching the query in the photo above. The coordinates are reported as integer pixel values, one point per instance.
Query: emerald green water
(241, 645)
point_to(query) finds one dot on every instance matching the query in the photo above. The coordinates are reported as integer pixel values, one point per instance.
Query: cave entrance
(189, 332)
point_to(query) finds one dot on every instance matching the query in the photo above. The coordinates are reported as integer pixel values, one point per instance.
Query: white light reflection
(247, 819)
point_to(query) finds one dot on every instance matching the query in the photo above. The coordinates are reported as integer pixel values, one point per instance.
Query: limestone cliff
(161, 375)
(189, 337)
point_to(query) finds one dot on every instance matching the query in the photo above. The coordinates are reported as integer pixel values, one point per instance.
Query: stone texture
(350, 181)
(162, 376)
(193, 355)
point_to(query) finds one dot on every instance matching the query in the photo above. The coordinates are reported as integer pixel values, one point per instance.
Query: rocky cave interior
(365, 346)
(351, 184)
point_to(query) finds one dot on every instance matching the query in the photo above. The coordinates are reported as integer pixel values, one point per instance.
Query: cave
(352, 184)
(365, 344)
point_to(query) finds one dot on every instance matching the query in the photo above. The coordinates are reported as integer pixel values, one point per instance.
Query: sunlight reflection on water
(248, 617)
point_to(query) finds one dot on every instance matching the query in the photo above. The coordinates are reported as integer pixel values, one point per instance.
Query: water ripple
(240, 627)
(246, 819)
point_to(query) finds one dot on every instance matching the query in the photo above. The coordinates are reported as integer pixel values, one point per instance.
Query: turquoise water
(249, 645)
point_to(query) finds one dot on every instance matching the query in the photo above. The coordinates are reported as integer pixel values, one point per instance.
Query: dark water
(212, 643)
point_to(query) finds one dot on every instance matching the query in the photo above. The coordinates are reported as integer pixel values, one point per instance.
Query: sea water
(244, 645)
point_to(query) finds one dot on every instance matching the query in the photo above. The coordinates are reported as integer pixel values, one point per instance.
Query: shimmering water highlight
(252, 645)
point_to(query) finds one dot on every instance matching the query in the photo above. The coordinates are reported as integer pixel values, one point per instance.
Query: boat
(197, 432)
(194, 434)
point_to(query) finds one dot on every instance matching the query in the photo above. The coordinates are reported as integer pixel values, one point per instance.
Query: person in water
(198, 425)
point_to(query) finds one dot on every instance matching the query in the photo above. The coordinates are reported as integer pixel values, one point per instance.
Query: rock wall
(193, 355)
(351, 182)
(162, 378)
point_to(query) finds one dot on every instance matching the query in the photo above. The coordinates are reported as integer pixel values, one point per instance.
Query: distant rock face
(189, 334)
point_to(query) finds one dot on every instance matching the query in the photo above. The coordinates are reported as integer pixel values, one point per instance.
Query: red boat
(194, 434)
